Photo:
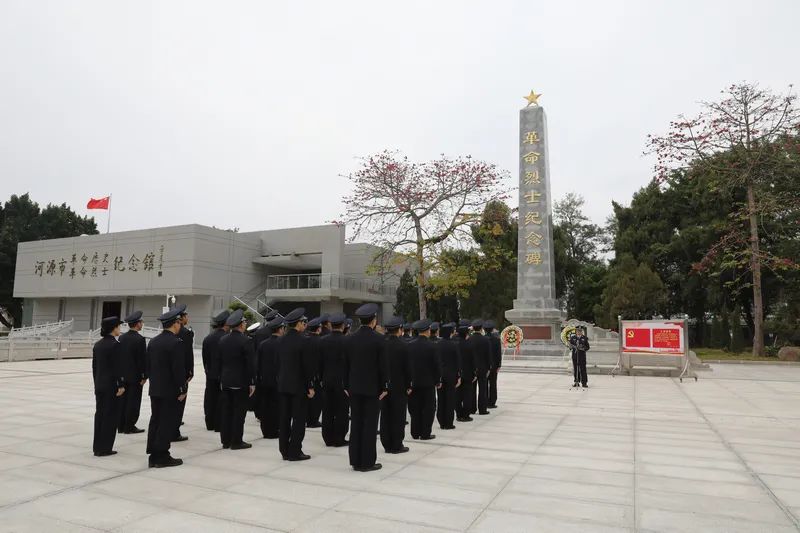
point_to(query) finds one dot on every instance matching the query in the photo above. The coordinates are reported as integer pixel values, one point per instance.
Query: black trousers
(363, 430)
(393, 420)
(181, 409)
(234, 411)
(579, 368)
(314, 406)
(446, 407)
(465, 398)
(163, 417)
(475, 387)
(268, 411)
(106, 420)
(130, 405)
(292, 424)
(335, 408)
(212, 406)
(422, 404)
(483, 392)
(493, 387)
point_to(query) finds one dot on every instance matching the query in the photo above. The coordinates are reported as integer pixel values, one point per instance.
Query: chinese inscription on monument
(96, 264)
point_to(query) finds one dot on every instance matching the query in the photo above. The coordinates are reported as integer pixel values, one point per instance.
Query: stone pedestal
(536, 310)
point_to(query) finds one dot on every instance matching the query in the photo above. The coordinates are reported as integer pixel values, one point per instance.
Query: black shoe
(415, 437)
(135, 430)
(402, 449)
(585, 385)
(465, 419)
(105, 454)
(313, 425)
(575, 384)
(301, 457)
(169, 461)
(376, 466)
(429, 437)
(180, 438)
(181, 424)
(492, 407)
(341, 444)
(484, 413)
(241, 446)
(226, 446)
(270, 436)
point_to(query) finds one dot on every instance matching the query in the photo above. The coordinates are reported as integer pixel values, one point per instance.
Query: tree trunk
(755, 267)
(421, 283)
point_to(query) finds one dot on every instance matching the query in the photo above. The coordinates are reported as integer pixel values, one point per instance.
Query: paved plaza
(628, 454)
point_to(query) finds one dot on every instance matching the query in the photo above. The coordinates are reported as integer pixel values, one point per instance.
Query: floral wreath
(511, 337)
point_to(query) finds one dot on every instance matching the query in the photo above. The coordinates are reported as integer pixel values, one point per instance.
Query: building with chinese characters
(87, 278)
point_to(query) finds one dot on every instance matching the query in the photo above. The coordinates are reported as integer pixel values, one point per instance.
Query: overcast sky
(245, 113)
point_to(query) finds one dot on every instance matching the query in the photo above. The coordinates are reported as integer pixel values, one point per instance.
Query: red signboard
(654, 337)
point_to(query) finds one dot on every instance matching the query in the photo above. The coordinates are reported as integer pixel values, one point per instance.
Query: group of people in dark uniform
(295, 373)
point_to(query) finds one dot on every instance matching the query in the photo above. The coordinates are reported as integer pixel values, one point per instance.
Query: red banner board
(653, 337)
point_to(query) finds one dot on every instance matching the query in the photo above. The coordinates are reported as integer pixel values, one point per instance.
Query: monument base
(541, 331)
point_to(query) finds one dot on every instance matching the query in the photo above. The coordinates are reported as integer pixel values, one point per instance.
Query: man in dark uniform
(212, 408)
(109, 386)
(366, 382)
(295, 385)
(264, 332)
(482, 349)
(348, 326)
(393, 407)
(465, 394)
(238, 380)
(167, 373)
(426, 377)
(434, 332)
(187, 336)
(447, 350)
(133, 354)
(407, 332)
(335, 407)
(313, 331)
(580, 345)
(268, 411)
(325, 320)
(497, 360)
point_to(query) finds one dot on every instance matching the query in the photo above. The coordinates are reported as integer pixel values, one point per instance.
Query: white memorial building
(83, 279)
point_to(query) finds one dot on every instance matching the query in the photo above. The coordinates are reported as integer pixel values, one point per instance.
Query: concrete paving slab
(641, 453)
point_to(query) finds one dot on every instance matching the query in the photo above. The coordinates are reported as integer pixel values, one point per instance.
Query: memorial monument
(536, 310)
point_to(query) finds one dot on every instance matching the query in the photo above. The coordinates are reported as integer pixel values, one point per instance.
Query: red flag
(637, 338)
(100, 203)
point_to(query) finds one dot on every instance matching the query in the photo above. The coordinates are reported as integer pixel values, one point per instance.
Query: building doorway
(112, 309)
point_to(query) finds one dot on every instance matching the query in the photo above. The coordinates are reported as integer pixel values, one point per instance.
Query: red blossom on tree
(412, 208)
(753, 126)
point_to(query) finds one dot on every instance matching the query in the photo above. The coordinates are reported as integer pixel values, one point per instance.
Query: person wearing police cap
(335, 406)
(366, 382)
(434, 332)
(133, 353)
(187, 336)
(482, 349)
(264, 332)
(238, 380)
(497, 360)
(407, 332)
(314, 333)
(426, 377)
(393, 407)
(348, 326)
(268, 409)
(465, 393)
(325, 320)
(109, 386)
(167, 373)
(212, 408)
(295, 385)
(447, 350)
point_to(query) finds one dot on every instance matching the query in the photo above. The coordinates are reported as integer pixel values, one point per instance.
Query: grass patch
(705, 354)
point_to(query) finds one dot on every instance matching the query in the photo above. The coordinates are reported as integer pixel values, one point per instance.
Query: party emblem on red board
(637, 338)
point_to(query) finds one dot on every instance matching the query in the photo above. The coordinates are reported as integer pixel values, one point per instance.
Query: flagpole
(108, 222)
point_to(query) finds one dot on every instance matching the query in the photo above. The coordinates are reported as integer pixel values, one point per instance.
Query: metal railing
(329, 281)
(41, 330)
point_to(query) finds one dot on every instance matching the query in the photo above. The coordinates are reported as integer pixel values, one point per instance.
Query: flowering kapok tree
(411, 209)
(740, 140)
